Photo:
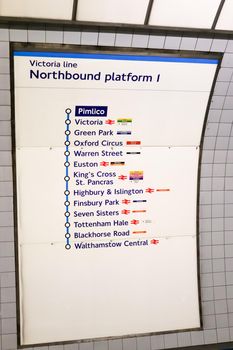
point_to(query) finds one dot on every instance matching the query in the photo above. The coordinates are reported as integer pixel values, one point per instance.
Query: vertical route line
(67, 178)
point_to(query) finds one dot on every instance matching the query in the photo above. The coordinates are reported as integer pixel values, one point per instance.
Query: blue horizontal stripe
(119, 57)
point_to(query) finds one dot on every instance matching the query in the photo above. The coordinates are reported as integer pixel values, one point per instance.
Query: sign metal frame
(98, 50)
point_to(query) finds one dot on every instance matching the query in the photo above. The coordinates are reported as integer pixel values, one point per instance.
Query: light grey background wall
(216, 192)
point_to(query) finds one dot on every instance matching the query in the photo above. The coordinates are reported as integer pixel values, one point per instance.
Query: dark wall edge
(49, 24)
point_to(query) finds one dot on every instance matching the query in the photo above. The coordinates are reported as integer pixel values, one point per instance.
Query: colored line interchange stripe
(138, 232)
(139, 211)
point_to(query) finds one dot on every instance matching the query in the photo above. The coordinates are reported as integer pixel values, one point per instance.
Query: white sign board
(107, 152)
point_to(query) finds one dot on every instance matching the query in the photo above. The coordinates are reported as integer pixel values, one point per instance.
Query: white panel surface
(125, 304)
(184, 13)
(54, 9)
(225, 19)
(107, 150)
(116, 11)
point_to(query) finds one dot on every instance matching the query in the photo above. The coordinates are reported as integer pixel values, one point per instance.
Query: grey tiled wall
(216, 192)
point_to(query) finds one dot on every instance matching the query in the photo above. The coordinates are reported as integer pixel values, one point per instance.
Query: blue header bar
(119, 57)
